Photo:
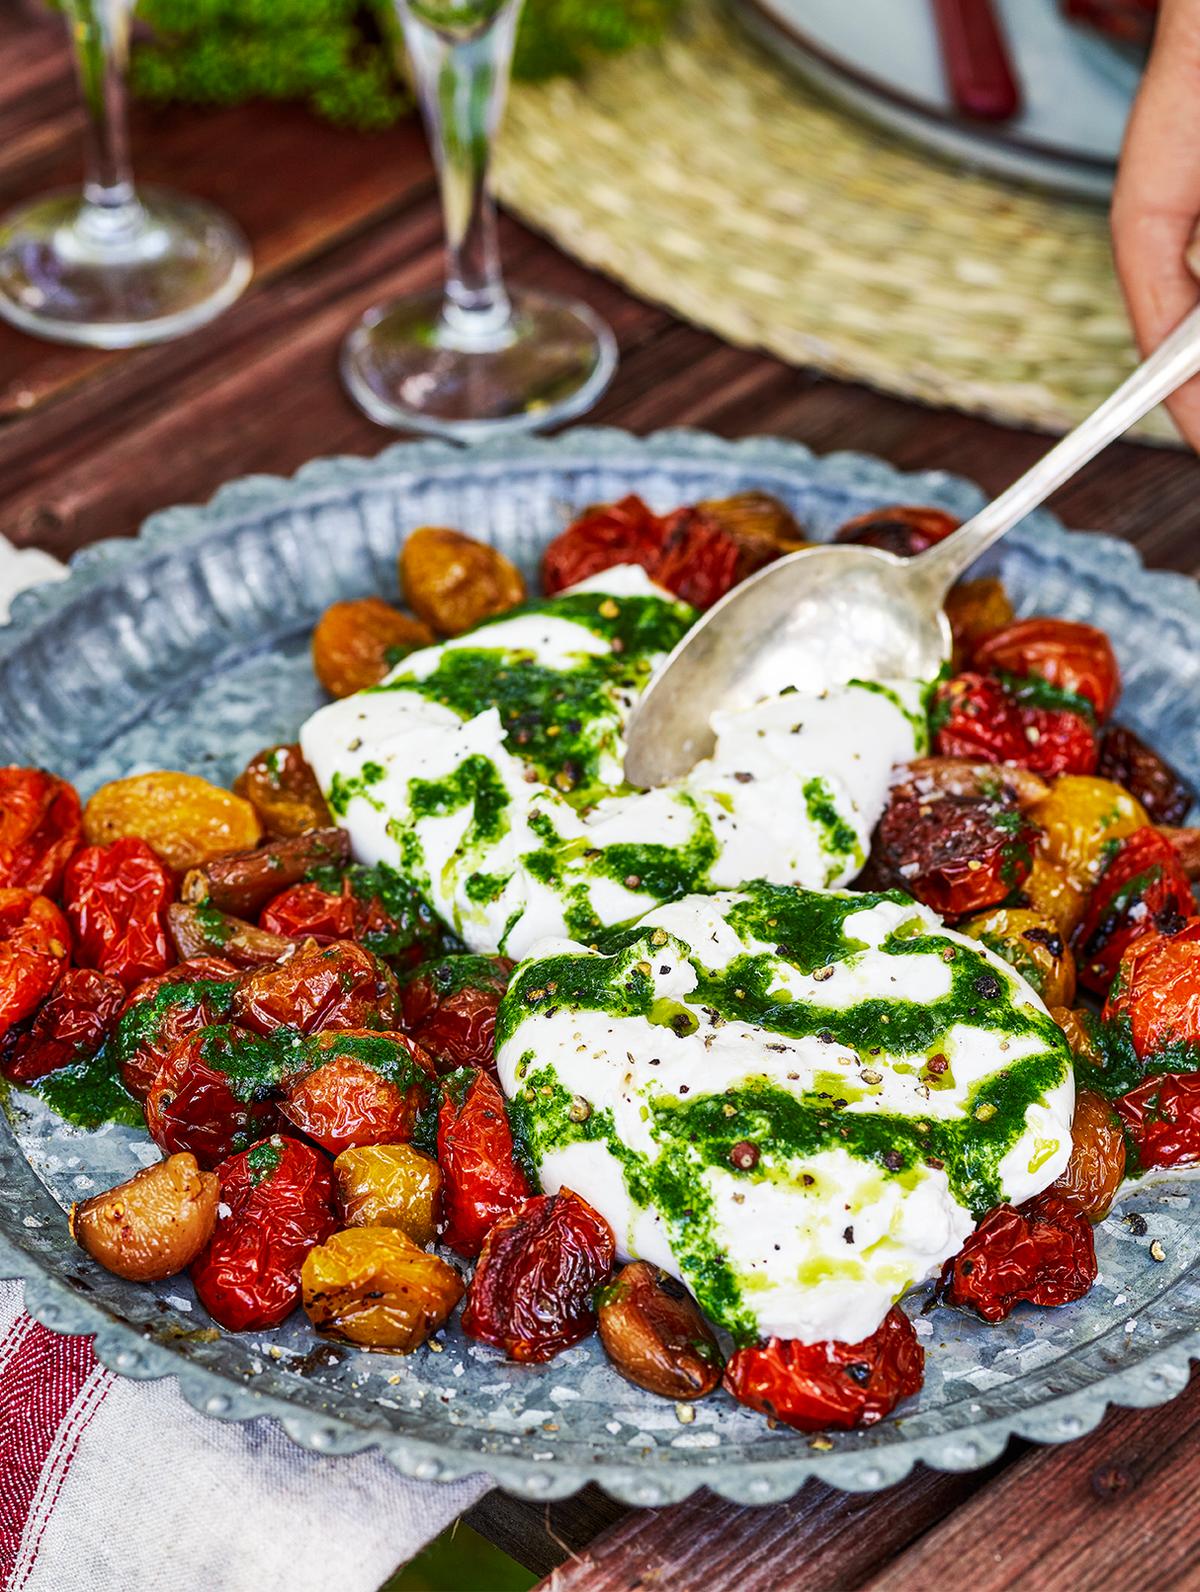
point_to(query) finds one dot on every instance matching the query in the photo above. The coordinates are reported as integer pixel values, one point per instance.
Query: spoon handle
(1175, 360)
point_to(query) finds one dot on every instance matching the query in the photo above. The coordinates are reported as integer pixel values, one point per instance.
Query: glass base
(115, 277)
(407, 366)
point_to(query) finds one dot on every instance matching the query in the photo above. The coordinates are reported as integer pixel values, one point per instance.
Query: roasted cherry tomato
(628, 532)
(761, 524)
(1097, 1165)
(1076, 660)
(181, 817)
(654, 1334)
(374, 906)
(389, 1185)
(154, 1224)
(356, 644)
(815, 1385)
(243, 883)
(901, 528)
(40, 826)
(1052, 894)
(1035, 947)
(449, 1007)
(116, 899)
(531, 1294)
(452, 581)
(1142, 890)
(1126, 759)
(481, 1180)
(1158, 987)
(374, 1287)
(215, 1093)
(975, 609)
(1041, 1252)
(1162, 1120)
(276, 1206)
(359, 1087)
(1082, 820)
(957, 854)
(339, 986)
(166, 1009)
(35, 943)
(70, 1025)
(283, 791)
(980, 716)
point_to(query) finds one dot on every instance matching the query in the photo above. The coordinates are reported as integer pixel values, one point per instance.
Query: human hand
(1156, 205)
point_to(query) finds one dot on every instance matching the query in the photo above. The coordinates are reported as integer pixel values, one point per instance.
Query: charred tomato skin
(1041, 1252)
(1143, 890)
(1126, 759)
(956, 854)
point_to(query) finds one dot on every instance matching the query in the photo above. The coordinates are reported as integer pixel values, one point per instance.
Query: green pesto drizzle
(918, 719)
(838, 839)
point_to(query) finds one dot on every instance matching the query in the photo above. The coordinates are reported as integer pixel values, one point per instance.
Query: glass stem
(100, 34)
(461, 74)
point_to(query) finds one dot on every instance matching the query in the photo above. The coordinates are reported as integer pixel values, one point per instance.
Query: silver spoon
(834, 613)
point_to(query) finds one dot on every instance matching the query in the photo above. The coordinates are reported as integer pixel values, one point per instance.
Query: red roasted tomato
(166, 1009)
(35, 943)
(902, 529)
(449, 1007)
(956, 854)
(71, 1025)
(308, 912)
(978, 716)
(815, 1385)
(1158, 986)
(279, 1199)
(686, 551)
(338, 986)
(481, 1180)
(371, 905)
(40, 826)
(1073, 658)
(1041, 1252)
(116, 899)
(539, 1267)
(1161, 1118)
(1142, 890)
(215, 1093)
(360, 1087)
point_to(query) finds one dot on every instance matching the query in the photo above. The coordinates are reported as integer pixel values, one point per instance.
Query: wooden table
(92, 443)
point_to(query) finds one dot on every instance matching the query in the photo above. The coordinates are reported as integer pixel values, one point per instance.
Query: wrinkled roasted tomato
(1097, 1165)
(116, 899)
(1035, 947)
(654, 1334)
(379, 911)
(1073, 658)
(389, 1185)
(40, 826)
(278, 1196)
(902, 529)
(956, 854)
(359, 1087)
(980, 716)
(812, 1386)
(283, 791)
(1040, 1252)
(449, 1007)
(34, 946)
(1158, 986)
(71, 1025)
(1143, 890)
(531, 1294)
(154, 1224)
(1125, 758)
(166, 1009)
(1162, 1119)
(184, 819)
(356, 644)
(481, 1180)
(452, 581)
(243, 883)
(339, 986)
(1081, 820)
(215, 1093)
(1052, 894)
(373, 1286)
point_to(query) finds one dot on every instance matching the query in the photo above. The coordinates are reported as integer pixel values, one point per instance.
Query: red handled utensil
(978, 67)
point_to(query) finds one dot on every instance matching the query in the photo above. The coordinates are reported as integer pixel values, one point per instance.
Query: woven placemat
(704, 177)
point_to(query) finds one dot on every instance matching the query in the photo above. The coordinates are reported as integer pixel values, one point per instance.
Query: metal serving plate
(188, 648)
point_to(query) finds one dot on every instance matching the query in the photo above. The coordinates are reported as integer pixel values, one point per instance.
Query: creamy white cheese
(508, 852)
(637, 1082)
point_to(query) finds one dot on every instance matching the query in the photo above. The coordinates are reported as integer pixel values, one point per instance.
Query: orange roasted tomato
(1157, 987)
(1041, 1252)
(449, 1007)
(35, 943)
(1076, 660)
(359, 1086)
(540, 1265)
(1034, 945)
(481, 1180)
(1097, 1165)
(1081, 820)
(374, 1287)
(356, 644)
(812, 1386)
(975, 608)
(389, 1185)
(182, 818)
(336, 986)
(452, 581)
(40, 826)
(1143, 890)
(283, 790)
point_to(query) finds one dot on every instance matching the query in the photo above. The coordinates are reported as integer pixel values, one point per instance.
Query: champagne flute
(114, 266)
(474, 358)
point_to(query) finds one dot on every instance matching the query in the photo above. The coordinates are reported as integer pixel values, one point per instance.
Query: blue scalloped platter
(188, 648)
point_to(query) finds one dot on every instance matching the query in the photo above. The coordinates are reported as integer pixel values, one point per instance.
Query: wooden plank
(1116, 1509)
(543, 1536)
(820, 1539)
